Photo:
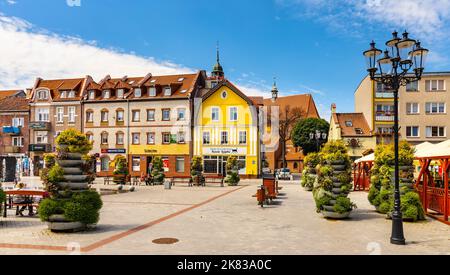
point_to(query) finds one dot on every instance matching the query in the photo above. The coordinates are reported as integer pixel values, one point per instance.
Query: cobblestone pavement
(225, 220)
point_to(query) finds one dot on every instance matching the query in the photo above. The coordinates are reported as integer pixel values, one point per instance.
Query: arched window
(104, 115)
(104, 137)
(295, 165)
(120, 115)
(104, 163)
(120, 138)
(42, 94)
(89, 116)
(90, 136)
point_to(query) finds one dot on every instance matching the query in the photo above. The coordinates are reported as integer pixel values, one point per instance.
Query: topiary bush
(309, 174)
(121, 170)
(232, 178)
(76, 141)
(381, 194)
(72, 205)
(334, 182)
(158, 170)
(197, 170)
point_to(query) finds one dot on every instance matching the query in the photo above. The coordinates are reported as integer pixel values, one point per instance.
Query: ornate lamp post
(402, 63)
(318, 137)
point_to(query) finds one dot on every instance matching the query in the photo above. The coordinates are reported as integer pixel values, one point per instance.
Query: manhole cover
(165, 241)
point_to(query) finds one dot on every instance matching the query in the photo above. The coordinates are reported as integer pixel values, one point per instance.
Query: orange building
(294, 155)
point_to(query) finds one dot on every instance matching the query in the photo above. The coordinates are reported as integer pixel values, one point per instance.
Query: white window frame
(411, 130)
(137, 92)
(136, 164)
(91, 95)
(179, 169)
(106, 94)
(152, 91)
(18, 141)
(231, 113)
(71, 94)
(222, 139)
(162, 113)
(429, 85)
(18, 122)
(72, 113)
(118, 118)
(43, 114)
(104, 141)
(120, 93)
(41, 137)
(120, 138)
(429, 132)
(59, 114)
(148, 114)
(242, 134)
(42, 94)
(149, 140)
(208, 135)
(89, 117)
(213, 109)
(166, 89)
(181, 137)
(104, 116)
(179, 112)
(136, 138)
(136, 115)
(410, 109)
(430, 105)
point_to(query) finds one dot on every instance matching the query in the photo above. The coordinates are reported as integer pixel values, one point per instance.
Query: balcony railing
(11, 130)
(384, 95)
(384, 118)
(40, 126)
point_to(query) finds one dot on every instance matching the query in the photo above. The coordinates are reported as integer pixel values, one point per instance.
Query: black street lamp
(393, 70)
(318, 137)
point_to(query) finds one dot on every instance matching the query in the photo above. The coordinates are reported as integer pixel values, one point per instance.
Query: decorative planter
(70, 163)
(308, 188)
(335, 215)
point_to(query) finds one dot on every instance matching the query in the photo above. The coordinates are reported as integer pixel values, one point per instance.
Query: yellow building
(354, 130)
(226, 124)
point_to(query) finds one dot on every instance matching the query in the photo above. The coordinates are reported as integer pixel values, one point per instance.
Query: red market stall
(362, 172)
(432, 182)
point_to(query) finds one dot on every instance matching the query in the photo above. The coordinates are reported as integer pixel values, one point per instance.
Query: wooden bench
(182, 179)
(214, 179)
(9, 202)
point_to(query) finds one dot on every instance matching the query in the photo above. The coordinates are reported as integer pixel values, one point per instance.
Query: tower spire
(218, 69)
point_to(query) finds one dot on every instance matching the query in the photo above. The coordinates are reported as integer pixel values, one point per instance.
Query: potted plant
(71, 206)
(309, 175)
(334, 182)
(197, 171)
(381, 194)
(232, 178)
(158, 171)
(121, 171)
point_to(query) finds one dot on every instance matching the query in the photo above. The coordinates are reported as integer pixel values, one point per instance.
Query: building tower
(217, 71)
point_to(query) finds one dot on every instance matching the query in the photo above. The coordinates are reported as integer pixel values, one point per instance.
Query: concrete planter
(335, 215)
(308, 188)
(70, 163)
(73, 185)
(72, 171)
(338, 167)
(76, 178)
(66, 226)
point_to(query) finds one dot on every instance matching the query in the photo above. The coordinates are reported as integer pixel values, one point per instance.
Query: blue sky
(311, 46)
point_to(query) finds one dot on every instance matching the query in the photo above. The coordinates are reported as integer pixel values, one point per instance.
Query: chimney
(333, 108)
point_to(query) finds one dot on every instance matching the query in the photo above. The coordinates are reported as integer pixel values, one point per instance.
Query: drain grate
(165, 241)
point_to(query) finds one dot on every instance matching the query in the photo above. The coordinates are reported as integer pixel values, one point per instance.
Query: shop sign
(225, 151)
(150, 151)
(114, 151)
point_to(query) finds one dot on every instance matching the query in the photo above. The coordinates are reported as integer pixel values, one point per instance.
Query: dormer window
(106, 94)
(213, 84)
(42, 94)
(120, 93)
(92, 95)
(152, 91)
(359, 131)
(137, 92)
(63, 94)
(349, 123)
(180, 79)
(71, 94)
(167, 91)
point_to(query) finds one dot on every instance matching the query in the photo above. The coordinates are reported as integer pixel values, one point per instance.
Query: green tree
(232, 178)
(303, 129)
(197, 170)
(158, 170)
(121, 170)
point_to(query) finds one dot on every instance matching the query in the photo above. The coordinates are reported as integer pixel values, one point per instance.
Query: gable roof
(8, 93)
(229, 85)
(56, 86)
(12, 103)
(358, 121)
(303, 101)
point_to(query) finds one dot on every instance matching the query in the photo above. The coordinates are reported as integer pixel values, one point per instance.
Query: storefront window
(180, 165)
(105, 164)
(210, 165)
(136, 162)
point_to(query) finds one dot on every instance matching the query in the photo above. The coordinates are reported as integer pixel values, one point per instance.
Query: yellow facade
(226, 134)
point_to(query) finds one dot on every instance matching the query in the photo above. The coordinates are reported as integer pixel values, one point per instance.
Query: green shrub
(49, 207)
(232, 166)
(121, 169)
(50, 160)
(77, 142)
(158, 170)
(312, 160)
(343, 205)
(82, 207)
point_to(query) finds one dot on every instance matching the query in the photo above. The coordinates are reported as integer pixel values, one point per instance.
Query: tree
(158, 170)
(121, 170)
(288, 118)
(303, 129)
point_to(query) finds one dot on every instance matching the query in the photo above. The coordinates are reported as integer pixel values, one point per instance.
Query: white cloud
(28, 53)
